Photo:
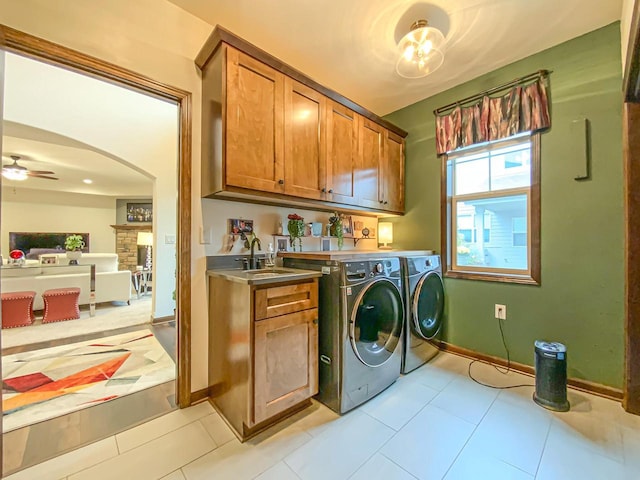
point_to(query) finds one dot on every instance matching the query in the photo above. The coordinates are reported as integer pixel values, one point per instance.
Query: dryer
(361, 319)
(424, 304)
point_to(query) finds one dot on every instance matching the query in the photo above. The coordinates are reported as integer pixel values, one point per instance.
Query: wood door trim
(58, 55)
(221, 34)
(631, 152)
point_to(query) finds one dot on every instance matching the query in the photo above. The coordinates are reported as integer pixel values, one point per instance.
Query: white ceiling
(350, 45)
(72, 162)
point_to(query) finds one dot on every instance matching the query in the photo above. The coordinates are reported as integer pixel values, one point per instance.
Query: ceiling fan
(13, 171)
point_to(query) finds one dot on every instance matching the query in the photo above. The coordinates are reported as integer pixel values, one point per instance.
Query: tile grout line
(470, 436)
(544, 447)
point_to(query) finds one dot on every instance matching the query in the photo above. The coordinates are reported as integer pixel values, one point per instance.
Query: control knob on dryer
(378, 268)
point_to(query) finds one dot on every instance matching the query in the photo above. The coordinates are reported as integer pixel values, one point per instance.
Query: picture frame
(49, 259)
(139, 212)
(326, 244)
(238, 226)
(282, 244)
(347, 226)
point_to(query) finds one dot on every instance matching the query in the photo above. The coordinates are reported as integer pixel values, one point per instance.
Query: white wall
(628, 7)
(28, 210)
(121, 32)
(216, 214)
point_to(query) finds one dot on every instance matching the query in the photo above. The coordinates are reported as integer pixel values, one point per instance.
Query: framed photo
(139, 212)
(347, 226)
(282, 244)
(238, 226)
(48, 259)
(326, 244)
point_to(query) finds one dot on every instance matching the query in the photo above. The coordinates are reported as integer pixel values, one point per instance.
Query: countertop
(265, 275)
(349, 254)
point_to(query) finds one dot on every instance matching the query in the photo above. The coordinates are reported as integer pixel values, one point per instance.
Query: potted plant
(335, 228)
(74, 244)
(296, 230)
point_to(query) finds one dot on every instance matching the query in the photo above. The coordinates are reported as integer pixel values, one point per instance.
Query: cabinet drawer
(275, 301)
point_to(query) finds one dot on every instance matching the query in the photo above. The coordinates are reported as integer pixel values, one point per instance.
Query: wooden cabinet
(254, 124)
(342, 153)
(271, 134)
(392, 180)
(380, 174)
(263, 350)
(369, 173)
(304, 140)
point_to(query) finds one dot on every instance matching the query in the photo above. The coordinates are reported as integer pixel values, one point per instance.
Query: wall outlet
(500, 311)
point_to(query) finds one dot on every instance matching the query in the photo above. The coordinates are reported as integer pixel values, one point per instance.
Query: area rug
(43, 384)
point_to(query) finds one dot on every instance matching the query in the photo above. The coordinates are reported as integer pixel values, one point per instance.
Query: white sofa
(111, 284)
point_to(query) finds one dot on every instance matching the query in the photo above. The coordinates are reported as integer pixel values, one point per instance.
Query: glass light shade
(385, 233)
(421, 51)
(14, 173)
(145, 238)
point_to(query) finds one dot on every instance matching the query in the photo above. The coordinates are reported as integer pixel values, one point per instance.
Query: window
(492, 211)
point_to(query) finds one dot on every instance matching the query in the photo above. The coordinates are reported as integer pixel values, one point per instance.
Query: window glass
(489, 211)
(472, 176)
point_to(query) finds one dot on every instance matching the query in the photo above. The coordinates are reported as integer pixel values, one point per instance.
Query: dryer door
(428, 306)
(376, 322)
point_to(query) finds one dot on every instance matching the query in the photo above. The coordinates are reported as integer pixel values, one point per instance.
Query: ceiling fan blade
(41, 172)
(42, 176)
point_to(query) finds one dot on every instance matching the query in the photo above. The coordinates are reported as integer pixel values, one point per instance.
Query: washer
(424, 304)
(361, 318)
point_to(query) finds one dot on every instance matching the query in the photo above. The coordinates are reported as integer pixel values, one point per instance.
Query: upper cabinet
(254, 143)
(304, 141)
(270, 134)
(342, 127)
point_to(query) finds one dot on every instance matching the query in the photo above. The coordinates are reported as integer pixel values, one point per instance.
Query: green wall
(580, 299)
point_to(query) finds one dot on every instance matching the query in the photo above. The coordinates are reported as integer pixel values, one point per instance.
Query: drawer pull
(325, 359)
(315, 321)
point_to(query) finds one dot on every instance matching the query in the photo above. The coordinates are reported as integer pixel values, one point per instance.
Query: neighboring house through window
(493, 210)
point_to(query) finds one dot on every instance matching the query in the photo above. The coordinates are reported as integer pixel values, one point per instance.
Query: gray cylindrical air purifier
(551, 375)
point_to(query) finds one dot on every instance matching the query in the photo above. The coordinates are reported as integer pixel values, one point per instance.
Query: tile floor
(431, 424)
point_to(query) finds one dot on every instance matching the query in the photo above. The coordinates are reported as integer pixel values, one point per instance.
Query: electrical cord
(504, 372)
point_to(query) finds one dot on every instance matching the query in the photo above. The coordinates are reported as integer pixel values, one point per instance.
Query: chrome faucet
(253, 264)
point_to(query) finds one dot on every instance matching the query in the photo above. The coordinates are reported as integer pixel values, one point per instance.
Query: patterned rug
(47, 383)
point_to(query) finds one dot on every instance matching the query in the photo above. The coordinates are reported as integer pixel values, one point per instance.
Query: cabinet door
(254, 128)
(304, 140)
(342, 153)
(286, 362)
(393, 173)
(371, 156)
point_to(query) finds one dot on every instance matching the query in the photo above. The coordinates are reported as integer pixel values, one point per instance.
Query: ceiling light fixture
(11, 173)
(421, 51)
(87, 181)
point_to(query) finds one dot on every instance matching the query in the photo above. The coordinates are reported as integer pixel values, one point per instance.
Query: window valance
(523, 108)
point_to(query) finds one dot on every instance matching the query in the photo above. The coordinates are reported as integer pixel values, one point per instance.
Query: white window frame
(449, 208)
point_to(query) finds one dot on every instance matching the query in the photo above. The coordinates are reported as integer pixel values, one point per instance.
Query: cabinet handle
(325, 359)
(385, 202)
(331, 190)
(381, 201)
(324, 190)
(315, 321)
(281, 182)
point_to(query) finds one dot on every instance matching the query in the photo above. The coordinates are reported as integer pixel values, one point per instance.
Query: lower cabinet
(263, 351)
(285, 362)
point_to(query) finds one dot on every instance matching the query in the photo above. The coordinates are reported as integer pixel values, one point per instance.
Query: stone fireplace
(127, 244)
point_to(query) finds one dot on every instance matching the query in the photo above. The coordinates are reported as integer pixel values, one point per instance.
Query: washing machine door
(376, 322)
(428, 306)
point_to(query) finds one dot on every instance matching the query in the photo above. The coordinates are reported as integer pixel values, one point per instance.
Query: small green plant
(295, 226)
(73, 243)
(335, 229)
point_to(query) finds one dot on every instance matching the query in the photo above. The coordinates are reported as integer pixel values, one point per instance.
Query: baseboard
(199, 395)
(577, 383)
(168, 318)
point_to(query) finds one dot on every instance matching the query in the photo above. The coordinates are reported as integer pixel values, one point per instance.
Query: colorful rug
(47, 383)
